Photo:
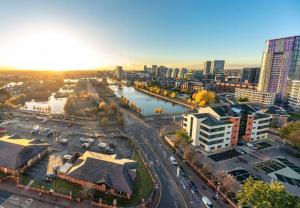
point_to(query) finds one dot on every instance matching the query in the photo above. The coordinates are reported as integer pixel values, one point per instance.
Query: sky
(73, 34)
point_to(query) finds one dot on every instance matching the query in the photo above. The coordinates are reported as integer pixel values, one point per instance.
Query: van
(207, 202)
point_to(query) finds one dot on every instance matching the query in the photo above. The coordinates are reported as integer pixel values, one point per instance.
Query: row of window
(212, 142)
(212, 130)
(211, 136)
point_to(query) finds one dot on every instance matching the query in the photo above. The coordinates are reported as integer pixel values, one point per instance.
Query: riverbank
(190, 106)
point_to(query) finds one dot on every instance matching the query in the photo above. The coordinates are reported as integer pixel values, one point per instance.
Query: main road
(175, 189)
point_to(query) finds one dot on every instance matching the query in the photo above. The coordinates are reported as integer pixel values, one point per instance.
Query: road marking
(182, 185)
(164, 178)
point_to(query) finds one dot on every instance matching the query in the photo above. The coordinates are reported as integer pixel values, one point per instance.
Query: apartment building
(294, 95)
(254, 96)
(225, 126)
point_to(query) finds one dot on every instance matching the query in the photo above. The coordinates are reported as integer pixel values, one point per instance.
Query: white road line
(164, 178)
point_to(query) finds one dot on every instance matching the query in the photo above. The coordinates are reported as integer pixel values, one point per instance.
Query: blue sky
(158, 31)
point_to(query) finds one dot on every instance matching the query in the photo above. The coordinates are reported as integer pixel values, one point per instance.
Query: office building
(175, 73)
(294, 95)
(119, 72)
(161, 71)
(255, 96)
(280, 62)
(217, 66)
(225, 126)
(182, 73)
(206, 67)
(169, 73)
(251, 75)
(153, 69)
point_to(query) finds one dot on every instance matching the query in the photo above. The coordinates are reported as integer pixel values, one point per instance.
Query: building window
(212, 148)
(226, 145)
(219, 146)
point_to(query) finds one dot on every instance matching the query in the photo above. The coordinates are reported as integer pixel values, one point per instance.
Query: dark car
(181, 172)
(193, 186)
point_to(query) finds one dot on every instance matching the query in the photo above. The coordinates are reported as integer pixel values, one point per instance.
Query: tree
(204, 97)
(104, 121)
(243, 99)
(291, 133)
(182, 136)
(102, 105)
(158, 110)
(173, 95)
(227, 182)
(113, 107)
(259, 194)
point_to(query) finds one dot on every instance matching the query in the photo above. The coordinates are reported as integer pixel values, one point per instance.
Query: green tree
(291, 133)
(243, 99)
(104, 121)
(182, 136)
(258, 194)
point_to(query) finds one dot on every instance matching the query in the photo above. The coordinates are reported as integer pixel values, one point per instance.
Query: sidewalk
(55, 201)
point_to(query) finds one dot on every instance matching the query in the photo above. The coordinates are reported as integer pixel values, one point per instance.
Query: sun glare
(53, 50)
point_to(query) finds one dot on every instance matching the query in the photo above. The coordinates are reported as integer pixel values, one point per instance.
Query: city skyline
(60, 35)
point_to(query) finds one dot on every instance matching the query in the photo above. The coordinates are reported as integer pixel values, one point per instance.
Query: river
(146, 102)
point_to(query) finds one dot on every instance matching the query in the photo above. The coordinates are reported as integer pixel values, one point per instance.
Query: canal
(146, 102)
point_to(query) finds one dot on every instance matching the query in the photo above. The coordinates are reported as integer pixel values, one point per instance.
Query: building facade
(206, 67)
(182, 73)
(225, 126)
(175, 73)
(294, 95)
(280, 62)
(255, 96)
(251, 75)
(119, 72)
(217, 66)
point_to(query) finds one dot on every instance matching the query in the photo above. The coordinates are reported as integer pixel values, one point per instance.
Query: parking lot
(66, 139)
(243, 165)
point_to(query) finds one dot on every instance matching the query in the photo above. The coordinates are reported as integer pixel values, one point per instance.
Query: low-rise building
(19, 154)
(225, 126)
(254, 96)
(102, 172)
(279, 116)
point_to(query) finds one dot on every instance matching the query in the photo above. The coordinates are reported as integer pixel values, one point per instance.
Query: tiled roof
(101, 168)
(16, 152)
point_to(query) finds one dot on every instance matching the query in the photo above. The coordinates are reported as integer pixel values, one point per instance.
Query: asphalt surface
(176, 191)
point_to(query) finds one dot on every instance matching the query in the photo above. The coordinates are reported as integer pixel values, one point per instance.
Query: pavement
(13, 197)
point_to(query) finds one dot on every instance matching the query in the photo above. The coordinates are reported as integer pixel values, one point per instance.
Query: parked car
(207, 202)
(102, 145)
(90, 140)
(85, 145)
(82, 140)
(252, 146)
(68, 156)
(63, 141)
(181, 172)
(173, 160)
(193, 186)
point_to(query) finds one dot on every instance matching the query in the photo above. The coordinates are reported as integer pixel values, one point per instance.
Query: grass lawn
(142, 187)
(295, 116)
(64, 187)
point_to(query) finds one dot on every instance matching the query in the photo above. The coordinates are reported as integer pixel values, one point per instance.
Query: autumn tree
(173, 95)
(204, 97)
(259, 194)
(158, 111)
(182, 136)
(113, 107)
(227, 182)
(104, 121)
(102, 105)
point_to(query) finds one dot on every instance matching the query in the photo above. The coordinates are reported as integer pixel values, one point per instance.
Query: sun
(53, 50)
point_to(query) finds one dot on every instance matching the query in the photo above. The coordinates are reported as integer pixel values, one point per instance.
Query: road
(176, 191)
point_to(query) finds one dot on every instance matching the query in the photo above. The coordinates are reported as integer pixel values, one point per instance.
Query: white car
(173, 160)
(102, 145)
(83, 140)
(207, 202)
(90, 140)
(63, 141)
(85, 145)
(67, 156)
(249, 144)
